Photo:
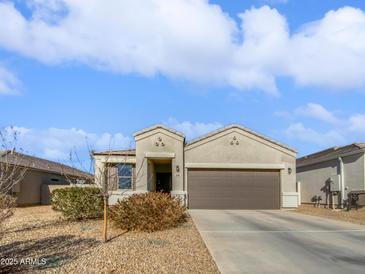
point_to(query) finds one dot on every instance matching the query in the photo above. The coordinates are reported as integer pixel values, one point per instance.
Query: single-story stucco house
(230, 168)
(40, 178)
(336, 170)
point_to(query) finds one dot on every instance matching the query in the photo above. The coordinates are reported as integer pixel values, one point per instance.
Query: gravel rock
(40, 233)
(353, 216)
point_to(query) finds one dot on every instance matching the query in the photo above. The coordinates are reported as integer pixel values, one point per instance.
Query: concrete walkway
(268, 241)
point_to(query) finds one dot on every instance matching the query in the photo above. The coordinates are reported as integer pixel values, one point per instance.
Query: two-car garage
(236, 168)
(233, 189)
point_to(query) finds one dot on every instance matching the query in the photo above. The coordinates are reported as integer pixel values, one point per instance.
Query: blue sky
(292, 70)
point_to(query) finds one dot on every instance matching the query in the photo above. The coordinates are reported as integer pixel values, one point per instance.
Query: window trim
(128, 177)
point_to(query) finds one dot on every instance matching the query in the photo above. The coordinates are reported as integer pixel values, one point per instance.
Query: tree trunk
(105, 227)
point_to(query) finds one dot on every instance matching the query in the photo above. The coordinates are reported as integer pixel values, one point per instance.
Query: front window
(125, 175)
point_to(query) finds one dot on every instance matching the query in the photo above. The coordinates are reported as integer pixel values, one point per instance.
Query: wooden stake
(105, 227)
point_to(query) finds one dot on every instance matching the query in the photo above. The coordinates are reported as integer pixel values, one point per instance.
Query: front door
(163, 182)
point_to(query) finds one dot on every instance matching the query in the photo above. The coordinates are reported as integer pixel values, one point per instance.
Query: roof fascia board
(247, 134)
(331, 157)
(247, 130)
(146, 130)
(96, 154)
(160, 155)
(161, 131)
(54, 171)
(116, 159)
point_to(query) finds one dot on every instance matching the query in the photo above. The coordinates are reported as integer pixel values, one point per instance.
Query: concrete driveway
(266, 241)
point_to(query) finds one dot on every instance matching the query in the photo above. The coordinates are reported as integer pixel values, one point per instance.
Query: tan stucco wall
(46, 192)
(30, 187)
(146, 143)
(313, 177)
(101, 160)
(354, 172)
(251, 150)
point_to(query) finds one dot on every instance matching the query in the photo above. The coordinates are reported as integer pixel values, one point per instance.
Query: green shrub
(148, 212)
(78, 203)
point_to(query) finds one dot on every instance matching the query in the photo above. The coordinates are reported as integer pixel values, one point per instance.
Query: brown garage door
(233, 189)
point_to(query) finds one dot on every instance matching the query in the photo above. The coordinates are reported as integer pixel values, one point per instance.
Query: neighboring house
(230, 168)
(41, 177)
(337, 170)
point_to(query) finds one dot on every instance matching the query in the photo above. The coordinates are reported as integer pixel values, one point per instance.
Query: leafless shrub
(7, 204)
(148, 212)
(12, 171)
(105, 176)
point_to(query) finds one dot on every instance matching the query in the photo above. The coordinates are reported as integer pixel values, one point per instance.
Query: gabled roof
(132, 152)
(31, 162)
(242, 128)
(157, 127)
(123, 152)
(330, 153)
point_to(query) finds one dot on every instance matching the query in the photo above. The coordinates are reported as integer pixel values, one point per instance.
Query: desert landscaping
(40, 233)
(352, 216)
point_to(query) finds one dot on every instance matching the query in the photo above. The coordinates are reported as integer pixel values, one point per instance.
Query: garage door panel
(234, 189)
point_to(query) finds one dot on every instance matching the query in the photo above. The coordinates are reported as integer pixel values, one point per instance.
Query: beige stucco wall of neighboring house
(46, 192)
(153, 146)
(251, 152)
(313, 177)
(29, 190)
(354, 172)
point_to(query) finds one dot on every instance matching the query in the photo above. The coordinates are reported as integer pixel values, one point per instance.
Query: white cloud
(193, 129)
(9, 84)
(298, 131)
(340, 130)
(57, 143)
(191, 40)
(357, 123)
(318, 112)
(329, 52)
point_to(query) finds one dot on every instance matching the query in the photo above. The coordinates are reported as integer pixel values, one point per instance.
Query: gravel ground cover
(353, 216)
(39, 233)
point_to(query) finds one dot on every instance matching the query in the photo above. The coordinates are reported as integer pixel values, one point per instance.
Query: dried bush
(77, 203)
(7, 205)
(148, 212)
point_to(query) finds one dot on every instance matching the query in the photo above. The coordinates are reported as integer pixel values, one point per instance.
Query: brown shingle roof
(31, 162)
(329, 153)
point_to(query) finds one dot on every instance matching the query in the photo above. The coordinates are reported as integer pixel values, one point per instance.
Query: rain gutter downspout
(342, 180)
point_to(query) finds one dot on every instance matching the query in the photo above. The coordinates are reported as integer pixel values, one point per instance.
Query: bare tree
(105, 176)
(13, 167)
